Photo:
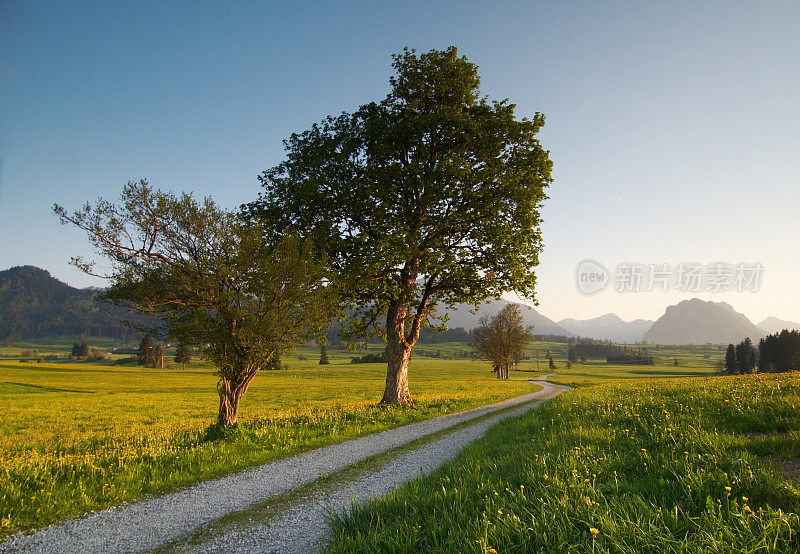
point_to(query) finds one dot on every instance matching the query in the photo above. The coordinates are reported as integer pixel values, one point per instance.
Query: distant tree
(210, 278)
(147, 354)
(569, 364)
(502, 339)
(745, 356)
(428, 197)
(183, 355)
(731, 365)
(323, 354)
(273, 363)
(96, 356)
(551, 364)
(583, 358)
(159, 356)
(81, 350)
(380, 357)
(676, 362)
(572, 355)
(779, 352)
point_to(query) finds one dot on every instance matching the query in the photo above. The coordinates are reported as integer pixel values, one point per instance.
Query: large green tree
(428, 197)
(210, 277)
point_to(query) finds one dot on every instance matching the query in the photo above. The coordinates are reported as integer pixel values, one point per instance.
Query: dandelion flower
(594, 531)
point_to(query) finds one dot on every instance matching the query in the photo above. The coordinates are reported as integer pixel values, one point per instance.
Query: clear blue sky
(674, 127)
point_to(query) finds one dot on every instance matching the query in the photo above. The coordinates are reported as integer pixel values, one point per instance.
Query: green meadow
(79, 436)
(621, 465)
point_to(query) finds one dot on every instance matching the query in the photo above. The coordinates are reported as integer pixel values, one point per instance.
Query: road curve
(158, 521)
(301, 526)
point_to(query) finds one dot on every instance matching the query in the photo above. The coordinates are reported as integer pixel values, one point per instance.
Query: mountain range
(462, 316)
(34, 303)
(608, 326)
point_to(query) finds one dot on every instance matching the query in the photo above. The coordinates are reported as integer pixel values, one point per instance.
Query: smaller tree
(146, 355)
(572, 356)
(502, 339)
(745, 356)
(183, 356)
(323, 354)
(81, 349)
(210, 278)
(730, 359)
(273, 363)
(551, 363)
(159, 356)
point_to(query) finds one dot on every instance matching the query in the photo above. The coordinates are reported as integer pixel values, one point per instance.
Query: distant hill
(460, 316)
(774, 325)
(608, 326)
(34, 303)
(698, 322)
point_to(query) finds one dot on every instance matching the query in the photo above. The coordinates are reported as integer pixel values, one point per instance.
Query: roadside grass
(632, 466)
(77, 437)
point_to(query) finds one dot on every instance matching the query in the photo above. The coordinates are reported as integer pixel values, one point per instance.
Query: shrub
(370, 359)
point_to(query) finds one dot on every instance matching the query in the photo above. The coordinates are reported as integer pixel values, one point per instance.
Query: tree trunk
(230, 393)
(398, 351)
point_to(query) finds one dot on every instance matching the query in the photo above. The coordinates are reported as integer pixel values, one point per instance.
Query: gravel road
(158, 521)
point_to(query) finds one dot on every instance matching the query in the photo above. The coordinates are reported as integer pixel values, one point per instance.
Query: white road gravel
(165, 520)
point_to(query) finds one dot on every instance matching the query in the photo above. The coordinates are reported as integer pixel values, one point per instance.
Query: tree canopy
(431, 195)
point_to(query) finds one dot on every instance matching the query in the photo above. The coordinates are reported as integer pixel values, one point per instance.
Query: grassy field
(594, 372)
(680, 465)
(76, 437)
(79, 436)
